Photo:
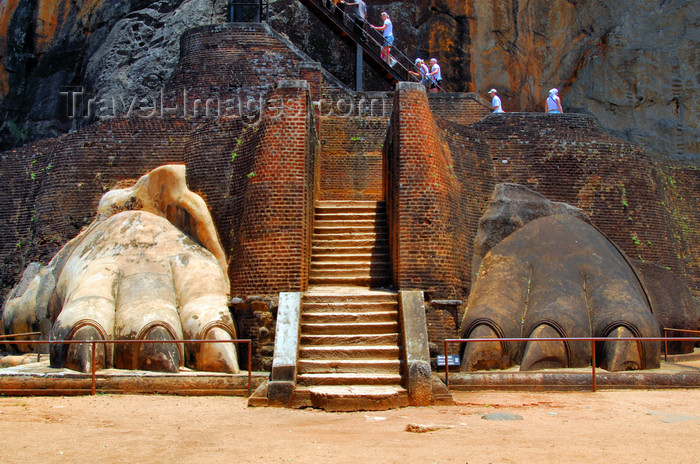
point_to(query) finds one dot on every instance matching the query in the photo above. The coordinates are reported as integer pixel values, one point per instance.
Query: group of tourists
(551, 106)
(430, 78)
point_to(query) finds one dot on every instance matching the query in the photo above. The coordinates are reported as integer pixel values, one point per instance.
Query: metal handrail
(667, 330)
(326, 9)
(592, 341)
(28, 334)
(127, 342)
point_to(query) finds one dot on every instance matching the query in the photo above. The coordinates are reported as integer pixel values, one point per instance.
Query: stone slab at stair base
(284, 364)
(418, 375)
(357, 398)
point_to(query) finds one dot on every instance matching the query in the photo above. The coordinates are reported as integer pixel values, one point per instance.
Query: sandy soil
(604, 427)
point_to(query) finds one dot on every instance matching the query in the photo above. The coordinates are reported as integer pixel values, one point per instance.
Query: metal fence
(591, 340)
(93, 344)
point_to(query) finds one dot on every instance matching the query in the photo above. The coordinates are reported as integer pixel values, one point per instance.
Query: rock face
(126, 48)
(631, 63)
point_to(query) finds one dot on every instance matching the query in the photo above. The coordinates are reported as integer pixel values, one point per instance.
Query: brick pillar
(275, 232)
(421, 190)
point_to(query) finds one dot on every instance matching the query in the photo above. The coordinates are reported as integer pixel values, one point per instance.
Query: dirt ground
(609, 426)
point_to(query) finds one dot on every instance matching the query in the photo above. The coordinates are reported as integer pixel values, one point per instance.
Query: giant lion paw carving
(149, 268)
(558, 277)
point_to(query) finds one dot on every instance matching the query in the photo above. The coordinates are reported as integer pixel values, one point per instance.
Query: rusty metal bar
(593, 361)
(4, 337)
(665, 345)
(592, 340)
(3, 341)
(447, 368)
(92, 367)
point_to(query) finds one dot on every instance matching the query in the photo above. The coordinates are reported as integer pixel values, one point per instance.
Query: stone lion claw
(150, 267)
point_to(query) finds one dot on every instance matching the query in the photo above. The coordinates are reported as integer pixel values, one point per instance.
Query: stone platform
(681, 371)
(41, 380)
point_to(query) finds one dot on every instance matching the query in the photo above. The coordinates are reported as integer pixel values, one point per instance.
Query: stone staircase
(349, 353)
(350, 244)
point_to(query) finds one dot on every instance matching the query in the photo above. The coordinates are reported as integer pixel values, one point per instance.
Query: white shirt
(437, 76)
(389, 30)
(496, 103)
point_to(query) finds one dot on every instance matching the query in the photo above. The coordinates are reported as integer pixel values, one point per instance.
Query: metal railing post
(92, 347)
(250, 367)
(593, 362)
(447, 368)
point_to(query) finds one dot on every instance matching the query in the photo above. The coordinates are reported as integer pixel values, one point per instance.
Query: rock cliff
(630, 63)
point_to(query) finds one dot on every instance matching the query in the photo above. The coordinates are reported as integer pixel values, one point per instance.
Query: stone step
(347, 398)
(349, 215)
(344, 366)
(324, 250)
(349, 222)
(349, 307)
(333, 207)
(350, 265)
(337, 295)
(349, 235)
(349, 352)
(348, 317)
(348, 379)
(350, 328)
(369, 340)
(353, 229)
(372, 273)
(373, 242)
(372, 282)
(337, 257)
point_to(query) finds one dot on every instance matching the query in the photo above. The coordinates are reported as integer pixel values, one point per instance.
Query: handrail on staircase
(359, 32)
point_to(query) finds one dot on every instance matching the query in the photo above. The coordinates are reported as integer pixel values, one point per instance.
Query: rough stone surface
(512, 206)
(501, 416)
(557, 277)
(671, 302)
(141, 51)
(630, 63)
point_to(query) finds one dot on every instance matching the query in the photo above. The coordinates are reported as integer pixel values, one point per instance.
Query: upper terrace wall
(51, 188)
(460, 108)
(568, 158)
(238, 59)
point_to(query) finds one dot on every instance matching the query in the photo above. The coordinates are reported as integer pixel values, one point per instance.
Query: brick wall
(271, 253)
(681, 197)
(568, 158)
(52, 187)
(436, 182)
(460, 108)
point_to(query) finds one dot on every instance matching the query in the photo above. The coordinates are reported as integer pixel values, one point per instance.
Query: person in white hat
(495, 101)
(422, 73)
(553, 103)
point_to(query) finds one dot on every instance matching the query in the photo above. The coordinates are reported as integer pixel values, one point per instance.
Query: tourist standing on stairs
(495, 101)
(388, 34)
(553, 103)
(359, 10)
(435, 76)
(422, 73)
